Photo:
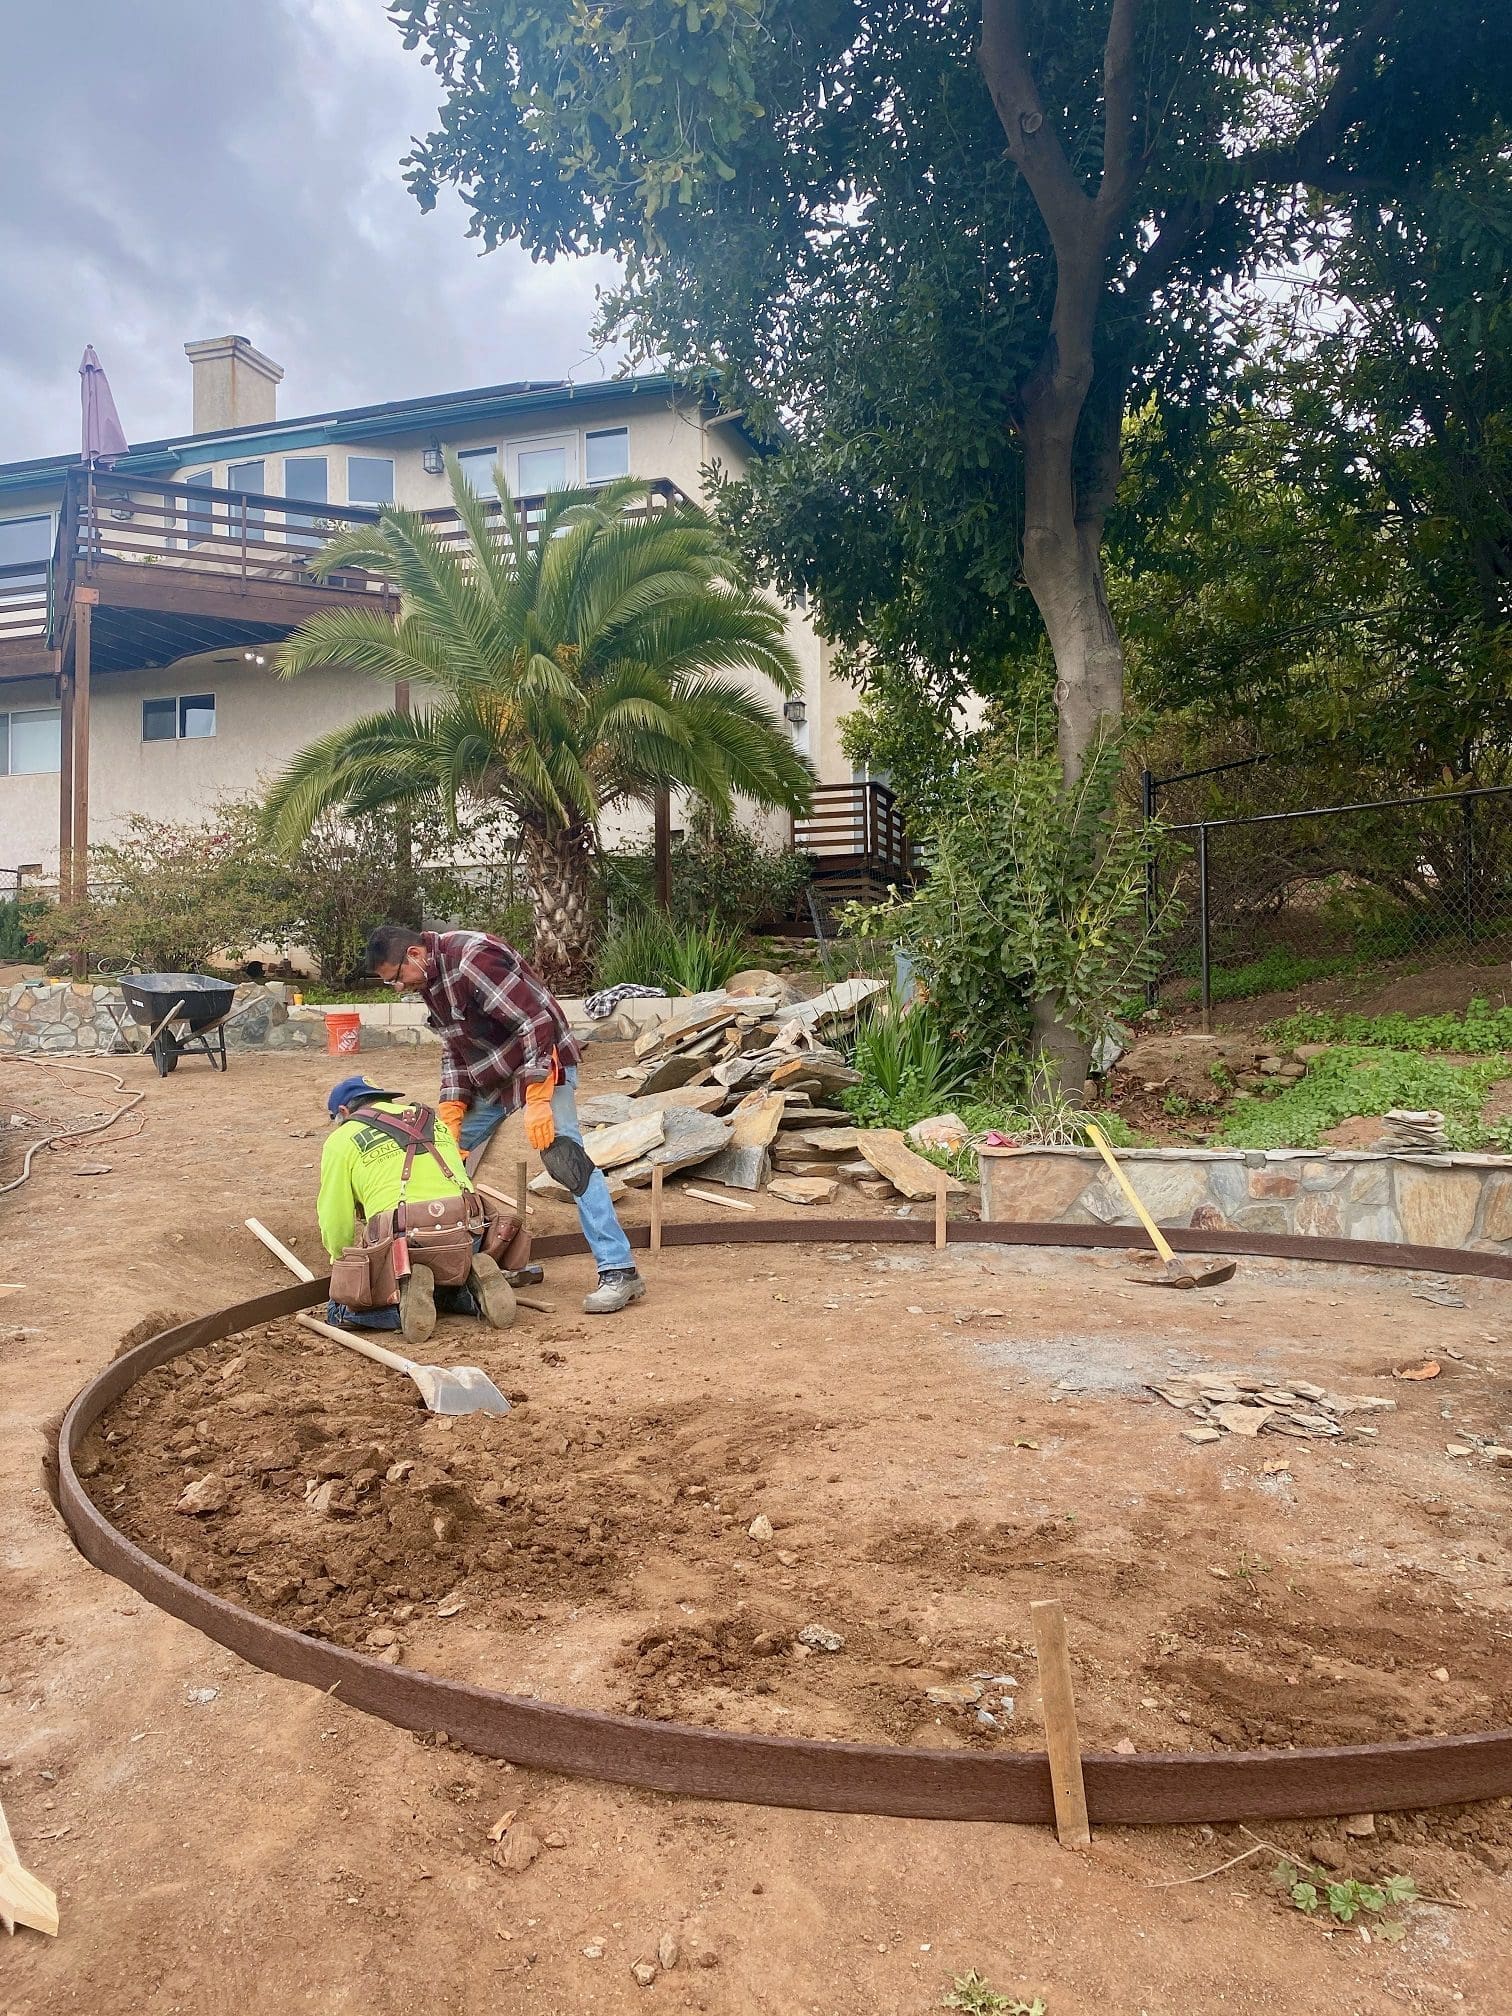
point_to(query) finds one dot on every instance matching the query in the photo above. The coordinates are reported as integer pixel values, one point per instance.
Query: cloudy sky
(175, 169)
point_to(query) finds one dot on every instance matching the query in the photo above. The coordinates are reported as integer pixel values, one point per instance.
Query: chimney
(234, 385)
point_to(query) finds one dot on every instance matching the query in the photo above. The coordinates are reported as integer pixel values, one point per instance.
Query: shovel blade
(458, 1389)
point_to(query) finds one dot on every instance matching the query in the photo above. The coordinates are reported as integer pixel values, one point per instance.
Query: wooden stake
(656, 1206)
(24, 1900)
(497, 1197)
(940, 1181)
(522, 1189)
(292, 1261)
(1058, 1700)
(713, 1197)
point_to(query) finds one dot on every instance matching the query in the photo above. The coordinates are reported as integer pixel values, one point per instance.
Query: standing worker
(506, 1043)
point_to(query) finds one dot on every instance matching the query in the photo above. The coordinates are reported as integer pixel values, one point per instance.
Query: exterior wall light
(794, 712)
(432, 460)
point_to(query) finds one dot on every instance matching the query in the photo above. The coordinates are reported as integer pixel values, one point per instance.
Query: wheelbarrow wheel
(165, 1054)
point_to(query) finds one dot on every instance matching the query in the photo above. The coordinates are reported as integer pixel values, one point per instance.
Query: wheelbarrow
(181, 1012)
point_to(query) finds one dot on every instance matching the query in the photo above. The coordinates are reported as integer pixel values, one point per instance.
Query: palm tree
(586, 660)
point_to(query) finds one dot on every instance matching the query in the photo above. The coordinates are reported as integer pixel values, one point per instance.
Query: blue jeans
(595, 1208)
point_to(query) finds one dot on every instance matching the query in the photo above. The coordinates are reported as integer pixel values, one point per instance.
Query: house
(141, 603)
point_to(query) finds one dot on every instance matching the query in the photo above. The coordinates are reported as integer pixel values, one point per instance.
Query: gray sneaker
(417, 1305)
(616, 1290)
(492, 1292)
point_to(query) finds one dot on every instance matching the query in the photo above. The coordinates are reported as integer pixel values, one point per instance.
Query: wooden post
(85, 600)
(663, 850)
(941, 1180)
(1058, 1700)
(65, 785)
(656, 1206)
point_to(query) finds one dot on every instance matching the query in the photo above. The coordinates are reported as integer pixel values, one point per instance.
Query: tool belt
(442, 1233)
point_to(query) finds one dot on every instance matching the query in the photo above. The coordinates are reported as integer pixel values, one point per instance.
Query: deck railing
(856, 831)
(248, 537)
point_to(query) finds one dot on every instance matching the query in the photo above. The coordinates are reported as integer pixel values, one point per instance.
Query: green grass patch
(1355, 1080)
(1480, 1031)
(1277, 971)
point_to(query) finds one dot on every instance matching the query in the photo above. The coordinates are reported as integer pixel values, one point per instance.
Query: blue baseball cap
(352, 1089)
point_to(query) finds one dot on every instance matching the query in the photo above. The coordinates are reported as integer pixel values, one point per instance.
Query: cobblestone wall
(1422, 1200)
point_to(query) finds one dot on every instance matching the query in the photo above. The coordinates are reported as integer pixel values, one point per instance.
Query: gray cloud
(174, 170)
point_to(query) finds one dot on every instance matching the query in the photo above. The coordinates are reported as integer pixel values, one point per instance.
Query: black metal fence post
(1147, 788)
(1203, 927)
(1468, 814)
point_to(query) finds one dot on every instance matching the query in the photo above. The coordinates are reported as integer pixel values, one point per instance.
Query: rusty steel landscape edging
(1158, 1789)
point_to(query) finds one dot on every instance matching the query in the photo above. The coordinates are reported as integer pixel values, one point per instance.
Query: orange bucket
(343, 1034)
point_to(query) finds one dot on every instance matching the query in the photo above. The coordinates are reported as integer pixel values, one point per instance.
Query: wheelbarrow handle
(1099, 1142)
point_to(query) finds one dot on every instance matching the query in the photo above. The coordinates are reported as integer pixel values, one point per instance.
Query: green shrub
(652, 951)
(909, 1067)
(721, 870)
(17, 917)
(1354, 1080)
(1034, 902)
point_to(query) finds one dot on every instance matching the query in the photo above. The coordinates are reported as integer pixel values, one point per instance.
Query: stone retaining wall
(1427, 1200)
(74, 1017)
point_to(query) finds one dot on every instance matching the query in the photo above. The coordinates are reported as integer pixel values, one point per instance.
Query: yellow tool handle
(1099, 1142)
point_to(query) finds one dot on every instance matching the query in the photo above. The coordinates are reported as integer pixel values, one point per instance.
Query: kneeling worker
(388, 1160)
(506, 1043)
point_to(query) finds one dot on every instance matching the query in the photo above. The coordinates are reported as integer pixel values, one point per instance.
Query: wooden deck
(859, 846)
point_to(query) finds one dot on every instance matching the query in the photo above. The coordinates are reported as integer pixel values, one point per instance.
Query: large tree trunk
(559, 881)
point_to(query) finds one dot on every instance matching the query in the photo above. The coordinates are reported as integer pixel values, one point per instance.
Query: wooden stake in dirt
(295, 1265)
(712, 1197)
(522, 1190)
(24, 1899)
(656, 1207)
(940, 1232)
(1061, 1739)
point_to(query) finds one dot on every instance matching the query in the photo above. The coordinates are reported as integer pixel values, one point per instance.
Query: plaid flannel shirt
(496, 1016)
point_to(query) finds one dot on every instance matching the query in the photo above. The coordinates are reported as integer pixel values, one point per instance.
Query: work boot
(617, 1288)
(417, 1305)
(492, 1292)
(529, 1276)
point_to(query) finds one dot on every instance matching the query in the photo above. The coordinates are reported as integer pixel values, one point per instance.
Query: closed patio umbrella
(103, 436)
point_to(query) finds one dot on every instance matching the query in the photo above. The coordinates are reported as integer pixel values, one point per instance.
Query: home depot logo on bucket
(343, 1033)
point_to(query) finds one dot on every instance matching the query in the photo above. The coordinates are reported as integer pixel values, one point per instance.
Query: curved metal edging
(788, 1771)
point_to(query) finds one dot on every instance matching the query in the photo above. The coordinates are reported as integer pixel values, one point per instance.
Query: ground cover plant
(1481, 1031)
(1355, 1079)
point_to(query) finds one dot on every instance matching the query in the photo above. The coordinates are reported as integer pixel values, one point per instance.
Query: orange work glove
(449, 1113)
(540, 1124)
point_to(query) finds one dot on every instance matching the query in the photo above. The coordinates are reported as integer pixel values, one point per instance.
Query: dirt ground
(935, 1440)
(1414, 986)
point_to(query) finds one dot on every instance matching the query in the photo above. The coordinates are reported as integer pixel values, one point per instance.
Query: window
(608, 454)
(200, 510)
(196, 716)
(370, 479)
(189, 718)
(305, 477)
(544, 465)
(23, 540)
(246, 476)
(477, 465)
(31, 743)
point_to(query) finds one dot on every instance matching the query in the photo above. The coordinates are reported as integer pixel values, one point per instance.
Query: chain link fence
(1268, 900)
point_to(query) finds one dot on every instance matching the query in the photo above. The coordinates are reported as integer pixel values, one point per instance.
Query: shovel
(445, 1389)
(1176, 1273)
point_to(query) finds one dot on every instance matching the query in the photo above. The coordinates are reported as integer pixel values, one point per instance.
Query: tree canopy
(919, 237)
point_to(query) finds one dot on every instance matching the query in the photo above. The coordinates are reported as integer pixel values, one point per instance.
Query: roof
(352, 423)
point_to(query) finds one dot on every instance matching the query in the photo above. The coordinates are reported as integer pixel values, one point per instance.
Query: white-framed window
(606, 454)
(370, 479)
(22, 542)
(477, 465)
(306, 480)
(186, 717)
(200, 512)
(547, 463)
(31, 742)
(247, 478)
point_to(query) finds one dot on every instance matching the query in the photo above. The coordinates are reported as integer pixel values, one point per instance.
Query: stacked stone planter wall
(1427, 1200)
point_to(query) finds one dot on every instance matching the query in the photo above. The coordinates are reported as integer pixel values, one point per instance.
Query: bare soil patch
(219, 1837)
